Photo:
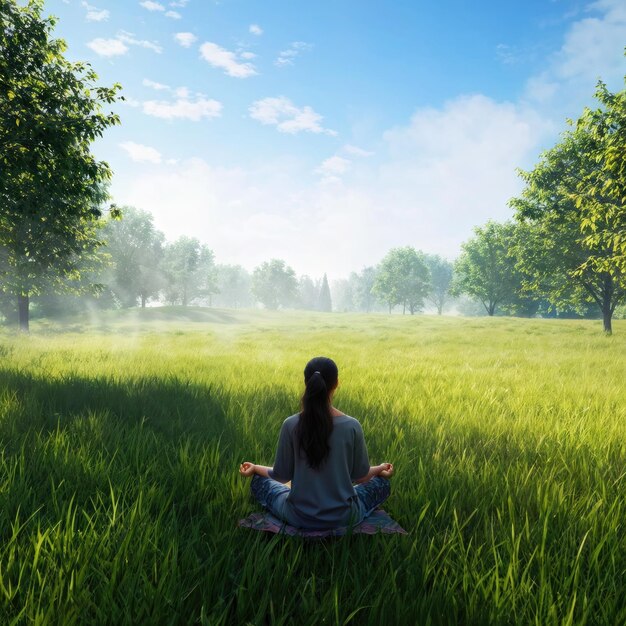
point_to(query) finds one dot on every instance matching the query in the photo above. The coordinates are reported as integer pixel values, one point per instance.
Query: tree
(51, 188)
(403, 278)
(364, 297)
(572, 202)
(136, 249)
(343, 295)
(274, 284)
(233, 286)
(601, 191)
(189, 270)
(324, 301)
(308, 293)
(440, 280)
(485, 270)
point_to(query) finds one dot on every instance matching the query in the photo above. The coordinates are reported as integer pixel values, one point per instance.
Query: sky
(325, 133)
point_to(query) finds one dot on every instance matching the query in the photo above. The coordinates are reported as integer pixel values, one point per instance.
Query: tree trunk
(607, 309)
(439, 309)
(143, 301)
(390, 308)
(492, 309)
(22, 308)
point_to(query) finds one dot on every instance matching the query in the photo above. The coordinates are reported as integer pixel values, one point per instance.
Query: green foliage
(402, 278)
(355, 292)
(189, 270)
(485, 269)
(601, 190)
(51, 186)
(274, 284)
(120, 494)
(441, 271)
(136, 250)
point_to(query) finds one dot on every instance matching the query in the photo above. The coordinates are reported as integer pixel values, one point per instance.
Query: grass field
(120, 440)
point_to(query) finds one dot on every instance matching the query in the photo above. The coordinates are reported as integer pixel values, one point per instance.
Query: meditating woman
(323, 453)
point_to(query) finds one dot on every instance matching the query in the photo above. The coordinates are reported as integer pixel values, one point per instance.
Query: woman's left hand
(247, 469)
(387, 470)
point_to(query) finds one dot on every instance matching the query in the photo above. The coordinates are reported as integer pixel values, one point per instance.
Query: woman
(322, 452)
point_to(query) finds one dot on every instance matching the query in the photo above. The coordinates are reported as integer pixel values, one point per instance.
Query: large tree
(51, 188)
(189, 271)
(441, 271)
(136, 250)
(402, 278)
(574, 200)
(485, 269)
(274, 284)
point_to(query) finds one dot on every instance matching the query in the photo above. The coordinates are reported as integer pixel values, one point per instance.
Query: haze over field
(327, 133)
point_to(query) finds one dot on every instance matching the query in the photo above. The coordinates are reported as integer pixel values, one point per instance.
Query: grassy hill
(120, 438)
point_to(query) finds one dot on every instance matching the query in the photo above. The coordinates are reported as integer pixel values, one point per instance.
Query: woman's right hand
(386, 471)
(247, 469)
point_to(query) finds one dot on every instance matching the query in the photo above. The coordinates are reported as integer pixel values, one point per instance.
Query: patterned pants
(271, 494)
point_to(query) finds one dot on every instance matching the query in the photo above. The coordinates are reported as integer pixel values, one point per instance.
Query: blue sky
(327, 132)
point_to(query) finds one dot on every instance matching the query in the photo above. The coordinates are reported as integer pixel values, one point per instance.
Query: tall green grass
(120, 440)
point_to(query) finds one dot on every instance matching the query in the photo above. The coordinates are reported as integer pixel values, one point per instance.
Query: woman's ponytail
(316, 420)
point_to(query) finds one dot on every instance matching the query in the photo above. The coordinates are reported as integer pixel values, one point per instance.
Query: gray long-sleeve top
(325, 497)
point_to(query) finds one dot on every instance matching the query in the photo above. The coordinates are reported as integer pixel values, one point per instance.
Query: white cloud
(593, 41)
(129, 38)
(287, 117)
(193, 109)
(592, 48)
(247, 55)
(255, 29)
(246, 215)
(152, 6)
(334, 166)
(186, 40)
(356, 151)
(108, 47)
(154, 85)
(140, 153)
(119, 45)
(226, 60)
(131, 102)
(506, 54)
(179, 3)
(450, 169)
(286, 57)
(174, 15)
(94, 14)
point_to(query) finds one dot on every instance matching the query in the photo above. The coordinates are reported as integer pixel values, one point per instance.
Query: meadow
(120, 439)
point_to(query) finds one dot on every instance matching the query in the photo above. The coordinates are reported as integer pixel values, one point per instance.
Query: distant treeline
(135, 266)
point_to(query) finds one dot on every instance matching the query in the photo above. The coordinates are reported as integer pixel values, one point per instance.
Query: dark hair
(316, 420)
